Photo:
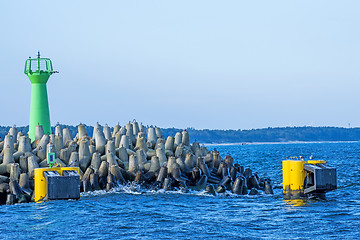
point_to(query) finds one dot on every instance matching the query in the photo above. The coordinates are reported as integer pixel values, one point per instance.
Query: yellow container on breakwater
(56, 183)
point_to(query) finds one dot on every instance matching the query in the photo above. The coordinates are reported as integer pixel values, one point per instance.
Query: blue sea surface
(125, 214)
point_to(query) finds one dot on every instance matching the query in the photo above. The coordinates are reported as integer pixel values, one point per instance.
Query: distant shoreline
(285, 135)
(270, 143)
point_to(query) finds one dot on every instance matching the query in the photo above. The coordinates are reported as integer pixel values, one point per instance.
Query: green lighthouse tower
(39, 70)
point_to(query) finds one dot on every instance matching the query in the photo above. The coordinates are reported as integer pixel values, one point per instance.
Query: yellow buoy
(306, 177)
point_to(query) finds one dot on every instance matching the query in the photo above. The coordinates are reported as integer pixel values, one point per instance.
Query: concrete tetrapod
(84, 154)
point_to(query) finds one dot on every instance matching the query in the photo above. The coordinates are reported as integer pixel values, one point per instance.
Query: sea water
(128, 214)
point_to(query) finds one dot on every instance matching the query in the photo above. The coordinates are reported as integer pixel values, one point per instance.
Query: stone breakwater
(124, 155)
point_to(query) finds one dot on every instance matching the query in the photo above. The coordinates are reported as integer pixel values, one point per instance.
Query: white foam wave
(137, 190)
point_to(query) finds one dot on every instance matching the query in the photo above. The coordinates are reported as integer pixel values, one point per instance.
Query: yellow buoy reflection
(296, 202)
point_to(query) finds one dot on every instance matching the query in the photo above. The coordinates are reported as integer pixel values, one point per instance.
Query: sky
(204, 64)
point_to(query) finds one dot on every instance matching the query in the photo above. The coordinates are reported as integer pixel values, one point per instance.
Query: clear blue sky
(203, 64)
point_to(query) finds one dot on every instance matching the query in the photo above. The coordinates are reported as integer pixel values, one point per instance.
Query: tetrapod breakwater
(131, 155)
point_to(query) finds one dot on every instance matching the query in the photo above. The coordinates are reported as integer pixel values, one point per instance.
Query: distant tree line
(281, 134)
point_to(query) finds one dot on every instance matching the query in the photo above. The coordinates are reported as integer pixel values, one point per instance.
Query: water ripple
(128, 213)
